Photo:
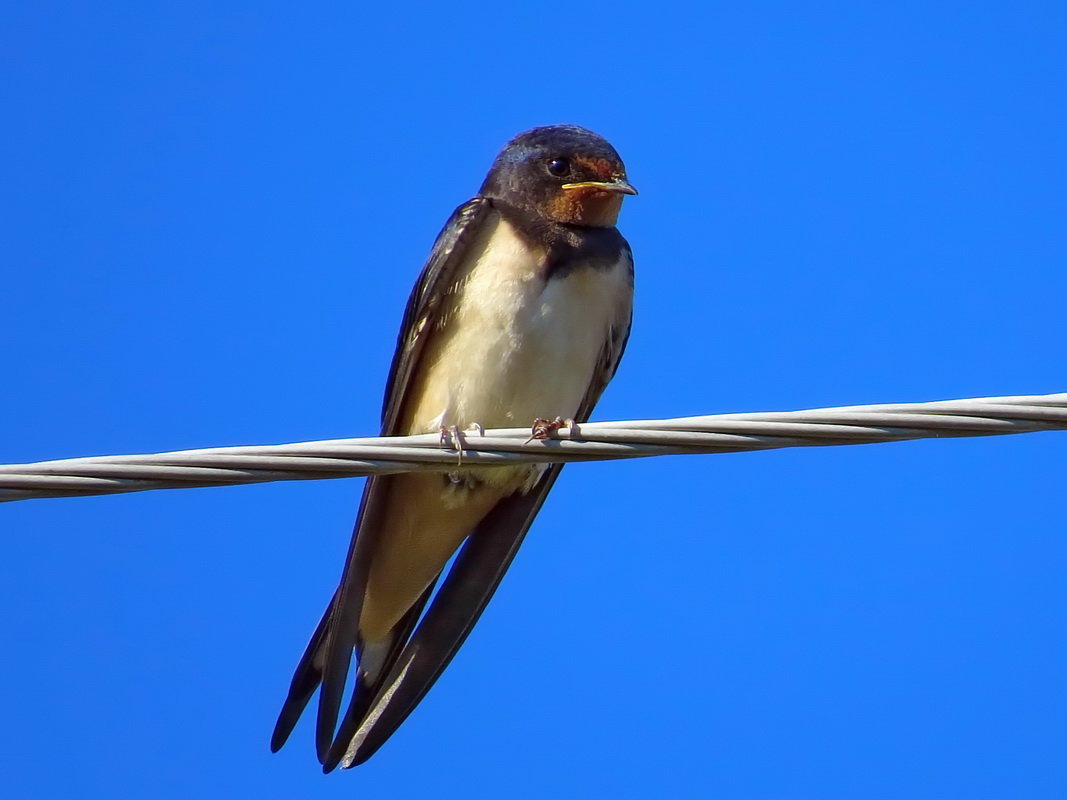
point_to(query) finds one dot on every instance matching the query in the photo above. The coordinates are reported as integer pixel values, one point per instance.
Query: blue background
(212, 215)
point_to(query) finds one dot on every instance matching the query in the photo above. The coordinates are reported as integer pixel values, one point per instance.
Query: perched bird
(520, 315)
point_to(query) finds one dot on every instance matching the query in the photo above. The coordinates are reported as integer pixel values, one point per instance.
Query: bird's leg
(452, 439)
(446, 437)
(543, 428)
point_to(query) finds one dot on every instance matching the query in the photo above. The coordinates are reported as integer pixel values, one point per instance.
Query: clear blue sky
(211, 218)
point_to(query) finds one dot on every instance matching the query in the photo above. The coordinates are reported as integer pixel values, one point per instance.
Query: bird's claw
(452, 438)
(544, 428)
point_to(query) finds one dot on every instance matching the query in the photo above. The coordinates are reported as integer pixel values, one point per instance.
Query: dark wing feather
(329, 654)
(467, 589)
(306, 679)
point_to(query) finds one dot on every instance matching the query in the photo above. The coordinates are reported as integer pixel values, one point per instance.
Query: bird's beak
(618, 186)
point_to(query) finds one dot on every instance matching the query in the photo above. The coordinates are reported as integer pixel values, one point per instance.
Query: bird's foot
(543, 428)
(452, 438)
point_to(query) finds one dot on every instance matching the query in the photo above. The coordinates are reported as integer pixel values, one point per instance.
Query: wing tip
(278, 740)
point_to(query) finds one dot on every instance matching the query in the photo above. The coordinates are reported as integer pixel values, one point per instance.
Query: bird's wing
(468, 587)
(424, 305)
(328, 656)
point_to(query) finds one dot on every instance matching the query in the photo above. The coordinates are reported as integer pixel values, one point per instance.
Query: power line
(591, 441)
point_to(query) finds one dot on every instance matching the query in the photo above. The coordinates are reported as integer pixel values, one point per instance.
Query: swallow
(521, 313)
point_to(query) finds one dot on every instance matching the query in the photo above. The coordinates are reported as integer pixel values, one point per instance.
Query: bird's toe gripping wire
(544, 428)
(452, 438)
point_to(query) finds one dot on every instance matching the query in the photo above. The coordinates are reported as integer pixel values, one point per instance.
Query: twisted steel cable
(591, 441)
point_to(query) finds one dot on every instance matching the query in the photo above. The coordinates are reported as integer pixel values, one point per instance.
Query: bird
(519, 317)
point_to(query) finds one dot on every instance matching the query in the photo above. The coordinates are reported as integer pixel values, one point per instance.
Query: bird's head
(560, 173)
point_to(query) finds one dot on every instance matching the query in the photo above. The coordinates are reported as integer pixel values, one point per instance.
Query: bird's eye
(559, 167)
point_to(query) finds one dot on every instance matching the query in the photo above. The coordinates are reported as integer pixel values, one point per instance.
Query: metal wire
(592, 441)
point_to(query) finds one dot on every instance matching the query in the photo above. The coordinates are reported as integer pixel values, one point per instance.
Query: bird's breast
(514, 343)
